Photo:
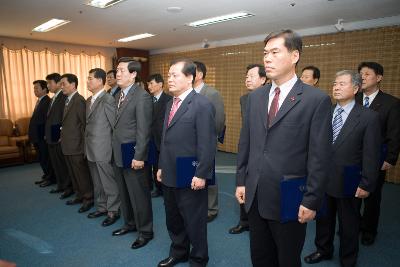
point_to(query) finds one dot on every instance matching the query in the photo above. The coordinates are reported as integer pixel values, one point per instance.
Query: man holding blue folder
(186, 162)
(284, 150)
(354, 171)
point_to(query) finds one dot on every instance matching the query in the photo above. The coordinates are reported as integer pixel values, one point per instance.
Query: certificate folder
(55, 132)
(292, 191)
(185, 171)
(351, 180)
(128, 153)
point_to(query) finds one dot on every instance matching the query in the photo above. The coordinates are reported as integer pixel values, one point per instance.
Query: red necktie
(174, 108)
(273, 109)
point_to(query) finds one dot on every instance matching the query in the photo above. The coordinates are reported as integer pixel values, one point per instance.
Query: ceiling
(102, 27)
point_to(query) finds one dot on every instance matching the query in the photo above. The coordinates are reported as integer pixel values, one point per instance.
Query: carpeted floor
(38, 229)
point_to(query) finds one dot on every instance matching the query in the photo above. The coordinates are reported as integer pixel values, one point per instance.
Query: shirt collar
(71, 95)
(185, 94)
(371, 97)
(158, 95)
(95, 96)
(346, 108)
(126, 90)
(285, 87)
(198, 88)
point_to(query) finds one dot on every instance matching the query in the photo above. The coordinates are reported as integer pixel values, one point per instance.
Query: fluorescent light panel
(103, 3)
(50, 25)
(136, 37)
(223, 18)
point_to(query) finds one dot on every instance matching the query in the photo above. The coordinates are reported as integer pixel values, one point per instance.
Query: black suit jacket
(358, 143)
(298, 143)
(158, 118)
(38, 120)
(54, 116)
(388, 108)
(191, 133)
(243, 103)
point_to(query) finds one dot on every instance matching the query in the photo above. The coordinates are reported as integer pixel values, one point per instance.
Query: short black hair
(114, 72)
(201, 68)
(99, 74)
(316, 72)
(133, 65)
(376, 67)
(43, 84)
(292, 40)
(156, 77)
(54, 77)
(261, 69)
(189, 68)
(71, 78)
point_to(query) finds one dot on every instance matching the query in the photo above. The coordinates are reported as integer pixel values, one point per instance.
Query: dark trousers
(81, 181)
(372, 207)
(244, 219)
(135, 197)
(186, 217)
(59, 166)
(153, 176)
(348, 212)
(272, 243)
(44, 161)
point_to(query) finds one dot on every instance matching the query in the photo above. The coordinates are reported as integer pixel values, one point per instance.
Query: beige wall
(226, 67)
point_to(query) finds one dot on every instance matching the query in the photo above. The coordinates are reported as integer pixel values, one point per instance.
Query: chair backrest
(6, 131)
(22, 126)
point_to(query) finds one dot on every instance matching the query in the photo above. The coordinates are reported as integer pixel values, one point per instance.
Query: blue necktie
(337, 124)
(366, 102)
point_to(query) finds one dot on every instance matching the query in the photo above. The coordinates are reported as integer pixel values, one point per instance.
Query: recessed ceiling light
(223, 18)
(50, 25)
(174, 9)
(103, 3)
(136, 37)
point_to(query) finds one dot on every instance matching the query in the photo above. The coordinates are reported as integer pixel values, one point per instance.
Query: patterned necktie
(66, 104)
(121, 99)
(337, 124)
(174, 108)
(273, 109)
(154, 99)
(366, 102)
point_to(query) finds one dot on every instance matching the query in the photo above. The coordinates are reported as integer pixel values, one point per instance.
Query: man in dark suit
(100, 119)
(255, 78)
(388, 108)
(216, 99)
(155, 84)
(356, 143)
(36, 130)
(72, 142)
(52, 136)
(286, 134)
(112, 82)
(133, 126)
(310, 75)
(189, 131)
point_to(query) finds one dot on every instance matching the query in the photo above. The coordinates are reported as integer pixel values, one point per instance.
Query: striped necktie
(366, 102)
(337, 124)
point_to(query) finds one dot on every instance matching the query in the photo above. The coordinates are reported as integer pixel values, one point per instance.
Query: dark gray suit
(72, 144)
(215, 98)
(358, 143)
(297, 143)
(133, 124)
(191, 133)
(100, 120)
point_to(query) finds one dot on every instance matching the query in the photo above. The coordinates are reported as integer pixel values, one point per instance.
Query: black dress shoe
(211, 217)
(171, 261)
(239, 229)
(316, 257)
(141, 242)
(123, 231)
(73, 201)
(39, 181)
(367, 239)
(46, 183)
(96, 214)
(85, 207)
(110, 220)
(66, 194)
(55, 191)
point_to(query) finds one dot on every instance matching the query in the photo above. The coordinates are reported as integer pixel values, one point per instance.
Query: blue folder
(55, 133)
(351, 180)
(185, 171)
(128, 153)
(292, 191)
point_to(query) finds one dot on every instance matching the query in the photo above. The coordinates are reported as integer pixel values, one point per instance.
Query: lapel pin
(292, 98)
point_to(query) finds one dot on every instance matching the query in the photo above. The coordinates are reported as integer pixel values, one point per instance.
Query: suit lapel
(68, 107)
(262, 102)
(127, 99)
(352, 121)
(377, 102)
(95, 104)
(182, 109)
(290, 101)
